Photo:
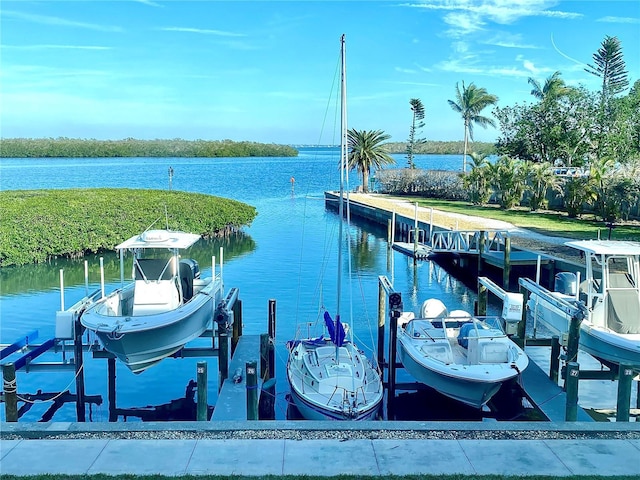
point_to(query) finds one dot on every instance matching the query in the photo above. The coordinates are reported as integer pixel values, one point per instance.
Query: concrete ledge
(282, 427)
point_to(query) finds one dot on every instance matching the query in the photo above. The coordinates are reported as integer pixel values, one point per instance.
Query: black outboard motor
(189, 270)
(566, 283)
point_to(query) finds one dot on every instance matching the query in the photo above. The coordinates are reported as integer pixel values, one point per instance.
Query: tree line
(130, 147)
(593, 136)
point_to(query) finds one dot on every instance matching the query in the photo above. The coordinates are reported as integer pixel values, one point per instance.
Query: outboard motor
(189, 270)
(433, 308)
(566, 283)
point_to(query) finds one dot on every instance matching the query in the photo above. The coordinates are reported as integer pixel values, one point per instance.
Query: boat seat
(493, 352)
(155, 297)
(440, 351)
(463, 334)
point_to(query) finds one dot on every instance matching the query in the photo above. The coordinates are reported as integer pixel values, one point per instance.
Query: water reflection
(46, 276)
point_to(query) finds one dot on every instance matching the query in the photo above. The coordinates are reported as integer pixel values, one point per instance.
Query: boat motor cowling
(189, 270)
(566, 283)
(512, 311)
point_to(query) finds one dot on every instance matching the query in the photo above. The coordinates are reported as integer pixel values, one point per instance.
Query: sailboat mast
(343, 165)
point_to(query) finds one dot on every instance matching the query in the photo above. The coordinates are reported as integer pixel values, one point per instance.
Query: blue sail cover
(336, 330)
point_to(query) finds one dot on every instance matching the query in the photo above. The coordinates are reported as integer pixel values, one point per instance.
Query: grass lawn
(550, 222)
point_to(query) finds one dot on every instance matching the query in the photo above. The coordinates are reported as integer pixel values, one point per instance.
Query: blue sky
(263, 71)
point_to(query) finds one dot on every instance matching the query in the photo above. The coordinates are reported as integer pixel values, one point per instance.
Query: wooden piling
(264, 356)
(506, 273)
(481, 246)
(237, 325)
(79, 364)
(272, 338)
(574, 338)
(111, 382)
(267, 402)
(201, 381)
(483, 295)
(389, 234)
(223, 356)
(381, 322)
(395, 309)
(522, 324)
(625, 380)
(571, 383)
(554, 365)
(252, 390)
(10, 388)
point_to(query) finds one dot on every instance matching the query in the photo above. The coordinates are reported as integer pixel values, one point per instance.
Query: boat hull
(599, 342)
(325, 389)
(310, 411)
(469, 391)
(142, 341)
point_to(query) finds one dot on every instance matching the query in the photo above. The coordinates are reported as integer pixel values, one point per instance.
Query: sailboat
(329, 376)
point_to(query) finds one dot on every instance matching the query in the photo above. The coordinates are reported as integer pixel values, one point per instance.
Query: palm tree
(540, 179)
(554, 87)
(418, 115)
(470, 102)
(366, 152)
(477, 182)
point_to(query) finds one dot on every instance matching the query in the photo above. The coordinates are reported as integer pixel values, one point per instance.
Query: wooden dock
(547, 395)
(232, 399)
(422, 252)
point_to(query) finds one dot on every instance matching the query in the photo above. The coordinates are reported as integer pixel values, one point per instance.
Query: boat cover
(336, 331)
(623, 314)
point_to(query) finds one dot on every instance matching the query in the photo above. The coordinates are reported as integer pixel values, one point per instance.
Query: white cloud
(508, 40)
(619, 20)
(55, 47)
(58, 21)
(203, 31)
(496, 11)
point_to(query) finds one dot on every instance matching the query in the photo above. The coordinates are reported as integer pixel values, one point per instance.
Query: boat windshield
(149, 269)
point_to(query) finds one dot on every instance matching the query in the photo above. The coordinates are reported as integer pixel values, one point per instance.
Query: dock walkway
(232, 399)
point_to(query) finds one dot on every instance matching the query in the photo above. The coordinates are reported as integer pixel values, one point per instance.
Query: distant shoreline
(162, 148)
(130, 147)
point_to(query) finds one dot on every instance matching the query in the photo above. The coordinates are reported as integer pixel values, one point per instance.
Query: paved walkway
(327, 457)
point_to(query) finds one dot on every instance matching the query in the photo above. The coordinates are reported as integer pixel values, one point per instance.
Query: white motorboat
(166, 306)
(609, 296)
(329, 377)
(463, 357)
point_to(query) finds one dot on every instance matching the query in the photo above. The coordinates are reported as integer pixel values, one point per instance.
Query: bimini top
(160, 239)
(606, 247)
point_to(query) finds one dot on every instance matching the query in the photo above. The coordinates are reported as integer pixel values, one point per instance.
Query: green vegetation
(36, 225)
(416, 124)
(548, 222)
(432, 147)
(130, 147)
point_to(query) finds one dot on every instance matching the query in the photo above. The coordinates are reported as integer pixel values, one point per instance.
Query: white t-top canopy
(606, 247)
(160, 239)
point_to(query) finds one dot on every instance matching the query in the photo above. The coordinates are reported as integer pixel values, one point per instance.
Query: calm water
(287, 254)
